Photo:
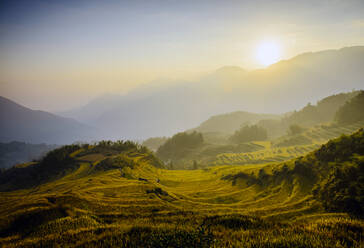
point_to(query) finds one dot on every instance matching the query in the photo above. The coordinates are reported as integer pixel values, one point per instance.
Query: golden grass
(146, 206)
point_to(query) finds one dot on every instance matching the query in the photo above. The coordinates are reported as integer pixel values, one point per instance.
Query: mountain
(18, 123)
(176, 106)
(19, 152)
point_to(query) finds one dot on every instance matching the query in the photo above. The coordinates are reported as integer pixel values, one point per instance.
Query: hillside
(295, 82)
(251, 144)
(104, 155)
(18, 123)
(217, 128)
(352, 110)
(116, 197)
(323, 112)
(286, 147)
(333, 174)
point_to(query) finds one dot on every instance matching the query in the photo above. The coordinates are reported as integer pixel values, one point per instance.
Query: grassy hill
(280, 149)
(119, 195)
(288, 146)
(78, 159)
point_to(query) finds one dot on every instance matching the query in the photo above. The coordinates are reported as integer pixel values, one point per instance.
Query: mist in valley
(182, 123)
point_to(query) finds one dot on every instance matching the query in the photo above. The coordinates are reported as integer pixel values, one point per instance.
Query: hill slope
(352, 111)
(18, 123)
(333, 173)
(127, 202)
(104, 155)
(324, 111)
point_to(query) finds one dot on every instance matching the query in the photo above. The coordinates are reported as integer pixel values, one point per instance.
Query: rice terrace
(123, 124)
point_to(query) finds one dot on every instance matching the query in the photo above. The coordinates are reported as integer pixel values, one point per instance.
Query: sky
(56, 55)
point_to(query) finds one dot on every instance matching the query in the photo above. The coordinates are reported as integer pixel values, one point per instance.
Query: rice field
(139, 205)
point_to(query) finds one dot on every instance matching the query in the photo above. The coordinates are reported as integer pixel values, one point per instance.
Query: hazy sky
(58, 54)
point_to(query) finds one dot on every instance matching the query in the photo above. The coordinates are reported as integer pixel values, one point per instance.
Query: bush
(343, 191)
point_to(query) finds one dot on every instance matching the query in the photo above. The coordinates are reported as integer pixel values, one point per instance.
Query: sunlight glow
(268, 52)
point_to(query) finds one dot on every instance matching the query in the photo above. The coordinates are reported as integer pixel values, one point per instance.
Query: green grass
(318, 134)
(267, 155)
(286, 147)
(197, 208)
(119, 199)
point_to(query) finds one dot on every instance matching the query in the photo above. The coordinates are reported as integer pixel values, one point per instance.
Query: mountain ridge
(304, 78)
(19, 123)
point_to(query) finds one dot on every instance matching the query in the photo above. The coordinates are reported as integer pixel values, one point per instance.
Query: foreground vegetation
(119, 195)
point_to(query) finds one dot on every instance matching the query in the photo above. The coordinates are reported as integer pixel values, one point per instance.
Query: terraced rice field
(288, 147)
(140, 205)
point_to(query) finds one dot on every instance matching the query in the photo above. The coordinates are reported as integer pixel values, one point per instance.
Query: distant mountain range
(18, 123)
(151, 111)
(279, 88)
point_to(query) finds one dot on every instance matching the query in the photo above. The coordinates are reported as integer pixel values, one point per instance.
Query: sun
(268, 52)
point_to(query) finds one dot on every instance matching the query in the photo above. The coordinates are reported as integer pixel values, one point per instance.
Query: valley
(181, 124)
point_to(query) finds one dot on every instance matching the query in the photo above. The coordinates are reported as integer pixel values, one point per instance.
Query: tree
(179, 145)
(249, 133)
(295, 129)
(352, 110)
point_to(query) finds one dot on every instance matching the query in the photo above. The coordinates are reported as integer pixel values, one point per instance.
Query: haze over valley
(182, 124)
(143, 112)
